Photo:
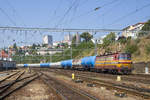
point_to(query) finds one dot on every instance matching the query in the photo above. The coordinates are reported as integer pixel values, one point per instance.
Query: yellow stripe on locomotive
(120, 62)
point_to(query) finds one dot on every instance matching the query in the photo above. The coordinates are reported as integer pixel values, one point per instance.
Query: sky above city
(80, 14)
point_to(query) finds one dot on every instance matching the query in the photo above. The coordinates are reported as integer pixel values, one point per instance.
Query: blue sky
(113, 14)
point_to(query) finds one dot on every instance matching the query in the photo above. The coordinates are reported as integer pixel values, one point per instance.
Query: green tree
(122, 40)
(86, 36)
(15, 46)
(33, 46)
(110, 38)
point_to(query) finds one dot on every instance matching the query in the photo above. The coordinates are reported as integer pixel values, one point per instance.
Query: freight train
(111, 63)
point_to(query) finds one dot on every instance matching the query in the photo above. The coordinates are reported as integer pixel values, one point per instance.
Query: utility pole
(71, 51)
(95, 47)
(50, 57)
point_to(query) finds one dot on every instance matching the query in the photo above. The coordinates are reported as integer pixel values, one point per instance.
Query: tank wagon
(67, 64)
(112, 63)
(41, 65)
(88, 62)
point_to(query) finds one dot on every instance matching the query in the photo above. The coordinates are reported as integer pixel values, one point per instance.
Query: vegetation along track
(9, 87)
(145, 93)
(64, 91)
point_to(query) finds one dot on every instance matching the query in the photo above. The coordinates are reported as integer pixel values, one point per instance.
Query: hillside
(139, 48)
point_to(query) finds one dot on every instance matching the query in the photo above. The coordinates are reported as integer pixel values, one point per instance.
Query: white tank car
(20, 65)
(28, 65)
(55, 65)
(34, 65)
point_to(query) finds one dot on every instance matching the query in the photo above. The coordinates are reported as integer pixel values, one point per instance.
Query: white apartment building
(133, 30)
(48, 39)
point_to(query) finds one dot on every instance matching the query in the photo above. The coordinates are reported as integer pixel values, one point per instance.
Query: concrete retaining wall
(140, 67)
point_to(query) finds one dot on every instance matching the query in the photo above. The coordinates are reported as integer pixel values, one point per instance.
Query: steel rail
(53, 89)
(128, 89)
(18, 87)
(80, 92)
(8, 77)
(7, 86)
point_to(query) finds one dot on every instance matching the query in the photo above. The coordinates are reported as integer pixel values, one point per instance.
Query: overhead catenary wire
(15, 11)
(74, 9)
(65, 14)
(95, 9)
(9, 18)
(54, 15)
(129, 14)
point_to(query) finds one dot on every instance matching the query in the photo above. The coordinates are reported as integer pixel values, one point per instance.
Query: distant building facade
(78, 38)
(68, 37)
(44, 51)
(133, 30)
(48, 39)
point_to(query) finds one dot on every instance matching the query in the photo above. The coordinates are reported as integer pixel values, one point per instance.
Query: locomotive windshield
(124, 57)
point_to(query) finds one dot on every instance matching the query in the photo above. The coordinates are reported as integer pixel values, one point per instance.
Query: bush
(147, 48)
(137, 40)
(140, 34)
(131, 48)
(122, 40)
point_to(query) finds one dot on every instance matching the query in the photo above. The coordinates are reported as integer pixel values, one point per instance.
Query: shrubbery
(147, 48)
(131, 48)
(110, 38)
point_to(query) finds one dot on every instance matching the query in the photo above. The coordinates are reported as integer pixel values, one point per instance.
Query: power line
(96, 9)
(68, 10)
(106, 12)
(14, 10)
(130, 13)
(109, 3)
(74, 12)
(54, 13)
(57, 29)
(11, 20)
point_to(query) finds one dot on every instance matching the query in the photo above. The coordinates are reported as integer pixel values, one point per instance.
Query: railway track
(144, 93)
(64, 91)
(9, 87)
(8, 76)
(140, 78)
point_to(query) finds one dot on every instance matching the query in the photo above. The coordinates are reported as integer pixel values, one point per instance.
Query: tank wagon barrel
(88, 62)
(66, 64)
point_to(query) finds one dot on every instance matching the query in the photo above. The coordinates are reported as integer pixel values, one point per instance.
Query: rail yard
(74, 50)
(101, 77)
(59, 84)
(88, 78)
